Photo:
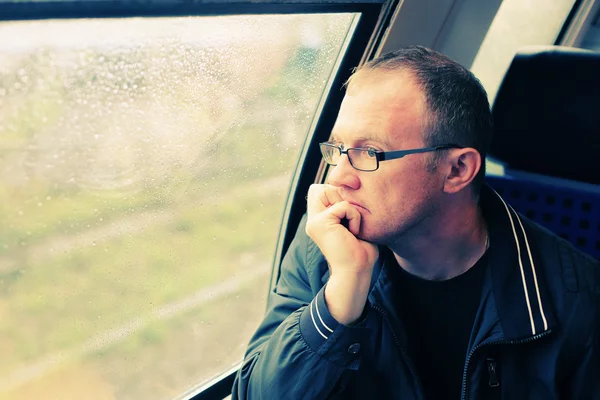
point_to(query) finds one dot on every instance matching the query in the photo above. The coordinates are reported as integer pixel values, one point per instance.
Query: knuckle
(345, 204)
(314, 187)
(314, 191)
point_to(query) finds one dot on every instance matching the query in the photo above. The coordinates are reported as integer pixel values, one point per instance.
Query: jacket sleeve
(586, 383)
(586, 378)
(299, 349)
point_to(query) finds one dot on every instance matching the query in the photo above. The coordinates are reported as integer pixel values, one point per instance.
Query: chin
(371, 235)
(379, 235)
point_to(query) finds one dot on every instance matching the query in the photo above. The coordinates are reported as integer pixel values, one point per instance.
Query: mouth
(348, 196)
(358, 206)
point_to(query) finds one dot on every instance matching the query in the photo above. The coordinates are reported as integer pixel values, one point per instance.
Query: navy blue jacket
(536, 334)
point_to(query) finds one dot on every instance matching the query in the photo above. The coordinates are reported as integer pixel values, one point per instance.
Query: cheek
(384, 199)
(397, 194)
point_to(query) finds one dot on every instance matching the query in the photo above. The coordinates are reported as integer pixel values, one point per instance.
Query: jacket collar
(520, 297)
(518, 282)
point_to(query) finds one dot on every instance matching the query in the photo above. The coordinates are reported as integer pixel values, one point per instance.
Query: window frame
(70, 9)
(375, 18)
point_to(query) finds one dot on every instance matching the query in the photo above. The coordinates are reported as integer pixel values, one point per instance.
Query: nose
(344, 174)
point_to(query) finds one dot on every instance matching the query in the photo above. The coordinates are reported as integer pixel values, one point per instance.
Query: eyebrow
(364, 138)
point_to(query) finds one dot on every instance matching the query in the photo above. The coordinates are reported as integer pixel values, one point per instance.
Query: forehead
(388, 107)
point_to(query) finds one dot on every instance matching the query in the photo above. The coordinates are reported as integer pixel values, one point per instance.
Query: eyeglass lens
(360, 159)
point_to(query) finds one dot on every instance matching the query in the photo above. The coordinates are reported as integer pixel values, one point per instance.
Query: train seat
(547, 137)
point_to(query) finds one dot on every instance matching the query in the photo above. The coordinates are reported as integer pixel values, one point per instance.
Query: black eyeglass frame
(383, 155)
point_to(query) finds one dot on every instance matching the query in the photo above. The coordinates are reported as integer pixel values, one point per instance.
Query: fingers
(346, 210)
(354, 221)
(321, 197)
(325, 204)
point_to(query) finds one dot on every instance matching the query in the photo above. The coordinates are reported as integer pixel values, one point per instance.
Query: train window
(145, 165)
(591, 40)
(517, 23)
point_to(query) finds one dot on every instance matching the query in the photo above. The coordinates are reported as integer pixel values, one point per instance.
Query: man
(409, 278)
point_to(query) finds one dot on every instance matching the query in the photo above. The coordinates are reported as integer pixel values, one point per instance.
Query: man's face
(386, 112)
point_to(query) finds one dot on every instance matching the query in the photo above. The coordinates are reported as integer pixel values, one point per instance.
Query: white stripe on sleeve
(313, 319)
(319, 315)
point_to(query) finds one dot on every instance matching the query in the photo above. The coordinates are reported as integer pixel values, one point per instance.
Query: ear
(462, 166)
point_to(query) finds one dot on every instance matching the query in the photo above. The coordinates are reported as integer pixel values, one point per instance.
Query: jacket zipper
(402, 352)
(493, 382)
(496, 343)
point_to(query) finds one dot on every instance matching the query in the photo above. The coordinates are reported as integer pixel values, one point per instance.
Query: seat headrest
(547, 113)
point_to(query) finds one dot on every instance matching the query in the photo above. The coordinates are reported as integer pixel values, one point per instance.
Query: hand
(339, 245)
(350, 259)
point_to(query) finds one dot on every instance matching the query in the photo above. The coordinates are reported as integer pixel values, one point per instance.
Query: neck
(446, 246)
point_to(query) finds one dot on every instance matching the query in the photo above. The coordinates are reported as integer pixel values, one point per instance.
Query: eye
(371, 152)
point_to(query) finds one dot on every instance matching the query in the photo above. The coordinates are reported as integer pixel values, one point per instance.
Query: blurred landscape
(145, 165)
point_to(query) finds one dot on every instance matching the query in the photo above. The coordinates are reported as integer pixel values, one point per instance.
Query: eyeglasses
(366, 159)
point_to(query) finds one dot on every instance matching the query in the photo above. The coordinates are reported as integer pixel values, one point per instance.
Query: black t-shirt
(439, 316)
